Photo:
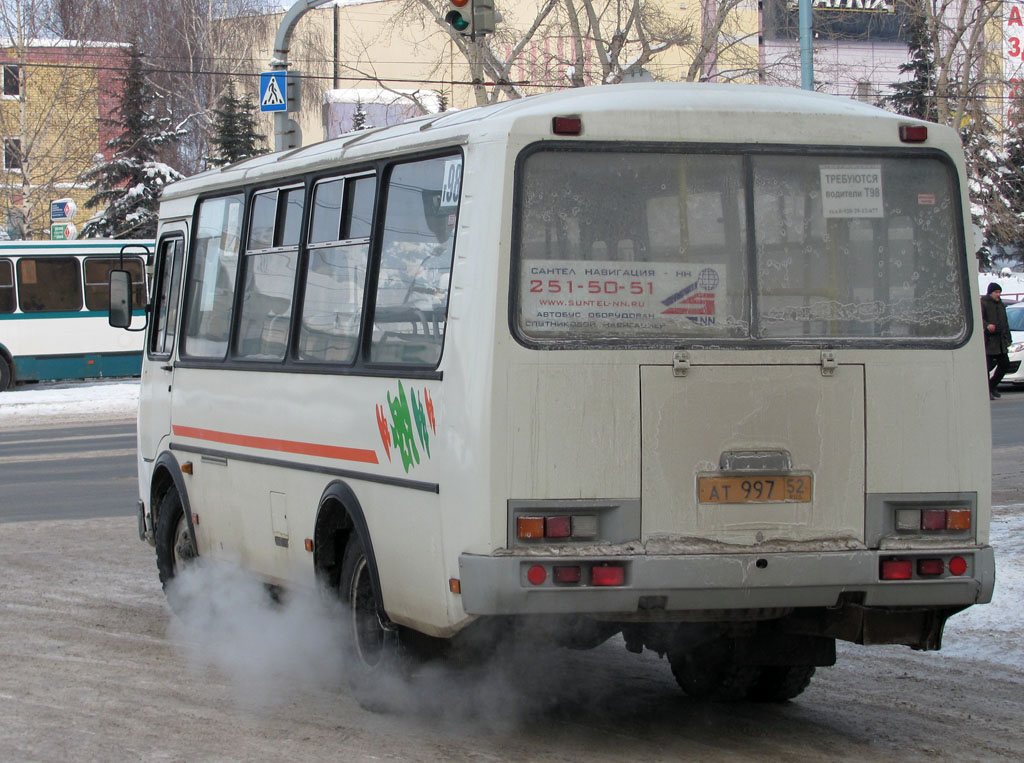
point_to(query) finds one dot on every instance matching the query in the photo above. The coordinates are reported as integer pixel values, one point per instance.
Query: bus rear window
(665, 247)
(50, 285)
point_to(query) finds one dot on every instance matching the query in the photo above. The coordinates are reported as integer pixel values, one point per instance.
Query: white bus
(694, 364)
(53, 310)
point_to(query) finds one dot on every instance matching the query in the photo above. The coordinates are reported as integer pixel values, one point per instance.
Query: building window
(12, 153)
(12, 81)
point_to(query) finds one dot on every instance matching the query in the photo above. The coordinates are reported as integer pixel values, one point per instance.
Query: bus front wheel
(5, 373)
(373, 647)
(175, 546)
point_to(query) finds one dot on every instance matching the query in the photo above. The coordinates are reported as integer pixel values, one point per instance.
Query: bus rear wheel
(175, 546)
(709, 672)
(373, 648)
(778, 683)
(5, 373)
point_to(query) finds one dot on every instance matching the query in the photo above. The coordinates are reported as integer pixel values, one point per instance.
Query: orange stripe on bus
(283, 446)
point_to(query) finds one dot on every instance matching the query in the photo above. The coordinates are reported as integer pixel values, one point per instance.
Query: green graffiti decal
(420, 416)
(401, 428)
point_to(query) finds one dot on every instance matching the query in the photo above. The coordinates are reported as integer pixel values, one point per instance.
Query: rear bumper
(657, 586)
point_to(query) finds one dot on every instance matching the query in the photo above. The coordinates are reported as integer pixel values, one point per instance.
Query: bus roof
(73, 247)
(653, 111)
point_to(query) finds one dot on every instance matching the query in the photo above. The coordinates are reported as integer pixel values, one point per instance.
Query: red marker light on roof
(913, 133)
(567, 126)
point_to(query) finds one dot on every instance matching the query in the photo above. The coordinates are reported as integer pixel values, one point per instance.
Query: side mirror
(120, 312)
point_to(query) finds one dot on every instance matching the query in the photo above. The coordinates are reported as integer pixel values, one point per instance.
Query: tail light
(581, 574)
(897, 569)
(957, 566)
(923, 568)
(932, 520)
(606, 575)
(559, 527)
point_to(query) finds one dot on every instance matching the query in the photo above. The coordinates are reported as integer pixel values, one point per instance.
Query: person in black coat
(997, 337)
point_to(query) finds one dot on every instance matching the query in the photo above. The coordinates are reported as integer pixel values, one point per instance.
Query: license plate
(764, 488)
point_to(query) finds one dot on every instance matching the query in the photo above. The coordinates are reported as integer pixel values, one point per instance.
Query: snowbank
(36, 404)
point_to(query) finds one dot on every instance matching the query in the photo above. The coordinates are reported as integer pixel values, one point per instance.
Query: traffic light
(460, 16)
(484, 16)
(472, 17)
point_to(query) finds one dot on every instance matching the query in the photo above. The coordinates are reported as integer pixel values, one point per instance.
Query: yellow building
(55, 98)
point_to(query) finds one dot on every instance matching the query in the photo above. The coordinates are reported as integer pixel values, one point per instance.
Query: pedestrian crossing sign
(273, 91)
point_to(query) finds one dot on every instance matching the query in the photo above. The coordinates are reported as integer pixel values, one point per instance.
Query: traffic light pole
(287, 133)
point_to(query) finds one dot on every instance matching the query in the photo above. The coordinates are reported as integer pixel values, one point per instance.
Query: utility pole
(287, 133)
(806, 47)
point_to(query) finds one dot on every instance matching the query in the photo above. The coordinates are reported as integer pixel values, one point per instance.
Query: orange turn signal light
(529, 528)
(958, 519)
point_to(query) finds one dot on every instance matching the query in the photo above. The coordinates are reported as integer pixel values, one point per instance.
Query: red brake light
(606, 575)
(933, 519)
(957, 565)
(558, 527)
(536, 574)
(893, 569)
(913, 133)
(930, 567)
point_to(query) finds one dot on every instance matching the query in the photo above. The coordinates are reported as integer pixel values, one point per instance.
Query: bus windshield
(777, 247)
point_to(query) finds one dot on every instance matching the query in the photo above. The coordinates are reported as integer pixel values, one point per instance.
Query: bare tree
(49, 113)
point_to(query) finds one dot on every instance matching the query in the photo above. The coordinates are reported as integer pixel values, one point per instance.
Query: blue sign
(273, 91)
(62, 209)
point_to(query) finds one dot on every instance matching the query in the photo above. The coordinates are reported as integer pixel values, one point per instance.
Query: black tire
(709, 672)
(374, 649)
(175, 546)
(5, 373)
(778, 683)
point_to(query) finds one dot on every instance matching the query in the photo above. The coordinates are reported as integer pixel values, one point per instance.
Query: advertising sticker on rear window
(569, 296)
(851, 190)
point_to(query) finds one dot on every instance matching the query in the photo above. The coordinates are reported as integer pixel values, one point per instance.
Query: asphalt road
(68, 472)
(86, 471)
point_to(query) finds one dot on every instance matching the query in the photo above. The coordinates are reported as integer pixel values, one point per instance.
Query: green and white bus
(53, 310)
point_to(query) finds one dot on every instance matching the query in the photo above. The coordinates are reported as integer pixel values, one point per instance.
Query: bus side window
(271, 261)
(165, 307)
(211, 279)
(49, 286)
(7, 300)
(97, 276)
(416, 259)
(336, 269)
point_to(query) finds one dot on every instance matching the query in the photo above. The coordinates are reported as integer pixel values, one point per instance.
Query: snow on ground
(989, 632)
(42, 404)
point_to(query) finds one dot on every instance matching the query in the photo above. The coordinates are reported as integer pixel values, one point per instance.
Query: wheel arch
(167, 474)
(340, 515)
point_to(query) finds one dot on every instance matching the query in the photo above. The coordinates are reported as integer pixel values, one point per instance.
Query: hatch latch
(828, 363)
(680, 363)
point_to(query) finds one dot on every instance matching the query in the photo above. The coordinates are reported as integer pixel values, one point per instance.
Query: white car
(1015, 316)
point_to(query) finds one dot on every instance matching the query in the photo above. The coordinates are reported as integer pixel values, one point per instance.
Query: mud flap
(916, 627)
